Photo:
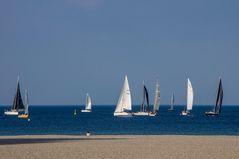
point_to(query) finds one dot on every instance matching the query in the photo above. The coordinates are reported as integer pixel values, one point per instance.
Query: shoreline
(119, 146)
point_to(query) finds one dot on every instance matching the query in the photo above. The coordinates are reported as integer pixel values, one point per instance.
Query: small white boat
(156, 101)
(17, 102)
(124, 105)
(87, 105)
(189, 105)
(217, 107)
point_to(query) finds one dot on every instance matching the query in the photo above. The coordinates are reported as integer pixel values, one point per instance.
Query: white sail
(189, 96)
(156, 98)
(124, 102)
(26, 102)
(88, 102)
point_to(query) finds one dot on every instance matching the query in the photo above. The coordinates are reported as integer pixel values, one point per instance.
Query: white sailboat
(217, 107)
(124, 105)
(144, 109)
(87, 105)
(25, 114)
(189, 106)
(172, 103)
(156, 101)
(17, 102)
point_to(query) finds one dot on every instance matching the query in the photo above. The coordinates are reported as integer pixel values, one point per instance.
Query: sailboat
(217, 107)
(172, 103)
(124, 105)
(75, 113)
(156, 101)
(25, 114)
(189, 105)
(87, 104)
(144, 109)
(17, 102)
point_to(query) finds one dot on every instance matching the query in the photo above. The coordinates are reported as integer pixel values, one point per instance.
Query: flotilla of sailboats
(124, 105)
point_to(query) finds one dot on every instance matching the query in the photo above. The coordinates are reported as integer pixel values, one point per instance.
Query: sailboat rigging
(25, 114)
(87, 105)
(156, 101)
(172, 103)
(144, 109)
(124, 105)
(189, 105)
(217, 107)
(17, 102)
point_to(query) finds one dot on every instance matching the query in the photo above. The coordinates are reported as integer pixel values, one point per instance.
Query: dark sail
(147, 97)
(17, 103)
(143, 100)
(218, 105)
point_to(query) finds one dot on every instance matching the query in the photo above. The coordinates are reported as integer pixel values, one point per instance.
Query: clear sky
(63, 49)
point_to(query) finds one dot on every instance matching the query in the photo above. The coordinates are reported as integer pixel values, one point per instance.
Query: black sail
(219, 98)
(17, 103)
(143, 100)
(147, 97)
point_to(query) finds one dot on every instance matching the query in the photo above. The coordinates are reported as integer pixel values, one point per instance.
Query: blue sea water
(60, 120)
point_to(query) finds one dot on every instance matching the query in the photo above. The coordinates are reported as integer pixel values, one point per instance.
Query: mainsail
(124, 102)
(17, 103)
(156, 98)
(218, 104)
(145, 95)
(26, 102)
(189, 96)
(88, 102)
(172, 102)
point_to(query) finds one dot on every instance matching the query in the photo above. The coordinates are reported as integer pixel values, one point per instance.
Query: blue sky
(63, 49)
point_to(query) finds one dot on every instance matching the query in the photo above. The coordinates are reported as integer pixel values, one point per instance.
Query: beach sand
(119, 147)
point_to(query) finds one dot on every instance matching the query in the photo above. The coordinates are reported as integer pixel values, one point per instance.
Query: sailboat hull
(152, 113)
(123, 114)
(141, 114)
(86, 111)
(211, 113)
(185, 113)
(23, 116)
(11, 112)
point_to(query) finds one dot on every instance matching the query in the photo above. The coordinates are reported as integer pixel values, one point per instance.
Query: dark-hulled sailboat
(217, 107)
(18, 105)
(144, 109)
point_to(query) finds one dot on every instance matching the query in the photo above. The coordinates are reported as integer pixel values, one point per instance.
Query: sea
(59, 120)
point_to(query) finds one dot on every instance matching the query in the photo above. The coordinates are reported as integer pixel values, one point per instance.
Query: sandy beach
(103, 147)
